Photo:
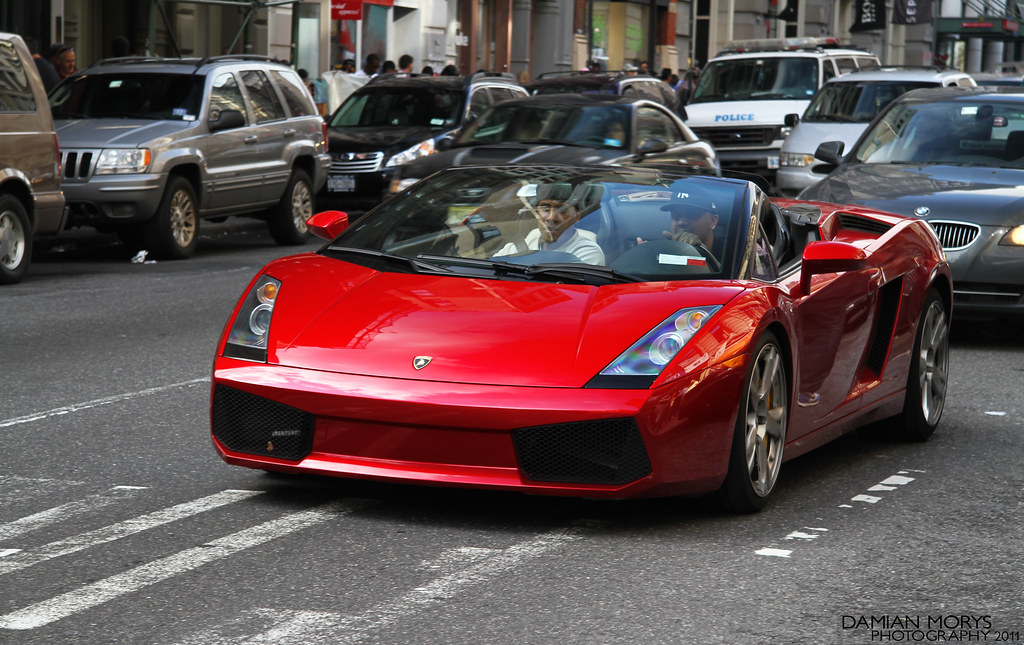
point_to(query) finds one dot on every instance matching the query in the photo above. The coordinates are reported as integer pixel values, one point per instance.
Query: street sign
(346, 9)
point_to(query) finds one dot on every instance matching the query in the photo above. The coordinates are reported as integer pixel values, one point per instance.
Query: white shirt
(582, 244)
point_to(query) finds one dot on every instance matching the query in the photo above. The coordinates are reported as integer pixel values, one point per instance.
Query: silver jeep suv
(150, 146)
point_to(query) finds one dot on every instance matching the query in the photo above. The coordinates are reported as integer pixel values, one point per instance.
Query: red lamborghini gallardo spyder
(587, 331)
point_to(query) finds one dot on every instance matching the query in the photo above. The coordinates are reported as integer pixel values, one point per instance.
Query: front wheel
(173, 232)
(760, 435)
(287, 220)
(15, 240)
(929, 374)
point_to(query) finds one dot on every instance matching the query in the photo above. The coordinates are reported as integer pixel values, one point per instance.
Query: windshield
(588, 225)
(982, 132)
(378, 107)
(856, 102)
(175, 97)
(601, 126)
(757, 79)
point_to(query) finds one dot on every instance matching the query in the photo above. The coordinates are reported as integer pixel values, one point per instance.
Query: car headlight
(248, 336)
(412, 154)
(795, 159)
(123, 162)
(639, 365)
(1013, 237)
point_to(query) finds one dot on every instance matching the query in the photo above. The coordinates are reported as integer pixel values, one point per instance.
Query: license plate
(341, 183)
(773, 162)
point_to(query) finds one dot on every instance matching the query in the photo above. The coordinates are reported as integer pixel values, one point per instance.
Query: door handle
(252, 138)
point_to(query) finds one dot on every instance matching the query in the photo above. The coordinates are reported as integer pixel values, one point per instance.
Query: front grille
(352, 162)
(254, 425)
(864, 225)
(745, 137)
(607, 451)
(77, 164)
(955, 235)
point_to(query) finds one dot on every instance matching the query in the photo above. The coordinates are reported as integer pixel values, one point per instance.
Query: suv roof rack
(905, 68)
(465, 80)
(193, 61)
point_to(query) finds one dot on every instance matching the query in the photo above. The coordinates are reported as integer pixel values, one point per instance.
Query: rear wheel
(287, 220)
(15, 240)
(173, 232)
(760, 435)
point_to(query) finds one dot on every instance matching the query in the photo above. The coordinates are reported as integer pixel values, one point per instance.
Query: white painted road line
(73, 602)
(75, 407)
(317, 627)
(63, 512)
(23, 559)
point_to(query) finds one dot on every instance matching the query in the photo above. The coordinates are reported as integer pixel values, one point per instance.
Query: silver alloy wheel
(183, 218)
(302, 206)
(765, 416)
(12, 240)
(933, 362)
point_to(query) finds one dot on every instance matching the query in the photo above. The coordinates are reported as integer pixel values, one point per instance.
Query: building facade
(534, 36)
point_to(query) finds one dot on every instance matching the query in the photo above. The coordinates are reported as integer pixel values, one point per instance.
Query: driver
(557, 213)
(694, 216)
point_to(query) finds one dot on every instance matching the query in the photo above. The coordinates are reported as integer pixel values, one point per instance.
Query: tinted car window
(400, 106)
(140, 96)
(572, 124)
(264, 102)
(655, 124)
(856, 102)
(295, 94)
(15, 92)
(499, 94)
(226, 95)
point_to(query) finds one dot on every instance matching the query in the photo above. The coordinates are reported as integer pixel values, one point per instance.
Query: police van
(745, 92)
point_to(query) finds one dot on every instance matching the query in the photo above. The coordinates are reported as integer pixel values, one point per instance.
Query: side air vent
(862, 224)
(888, 307)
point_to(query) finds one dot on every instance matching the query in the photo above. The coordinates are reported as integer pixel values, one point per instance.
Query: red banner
(346, 9)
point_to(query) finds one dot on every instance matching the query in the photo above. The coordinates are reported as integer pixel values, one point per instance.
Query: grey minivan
(31, 201)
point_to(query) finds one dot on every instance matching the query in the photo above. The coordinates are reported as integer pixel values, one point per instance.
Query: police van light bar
(780, 44)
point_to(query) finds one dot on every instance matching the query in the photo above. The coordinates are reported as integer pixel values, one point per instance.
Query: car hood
(115, 133)
(378, 139)
(742, 113)
(807, 135)
(335, 316)
(982, 195)
(505, 153)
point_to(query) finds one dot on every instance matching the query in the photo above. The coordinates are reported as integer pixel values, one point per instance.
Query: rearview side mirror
(328, 224)
(831, 152)
(829, 257)
(791, 120)
(227, 119)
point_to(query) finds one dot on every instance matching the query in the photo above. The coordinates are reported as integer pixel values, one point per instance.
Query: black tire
(15, 240)
(928, 376)
(759, 439)
(173, 232)
(287, 220)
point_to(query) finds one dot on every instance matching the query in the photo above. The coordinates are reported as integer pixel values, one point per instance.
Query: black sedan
(954, 157)
(571, 129)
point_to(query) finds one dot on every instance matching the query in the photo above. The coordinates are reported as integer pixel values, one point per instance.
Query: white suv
(842, 110)
(746, 91)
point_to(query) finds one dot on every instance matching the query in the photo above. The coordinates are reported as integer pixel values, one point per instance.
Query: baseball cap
(689, 196)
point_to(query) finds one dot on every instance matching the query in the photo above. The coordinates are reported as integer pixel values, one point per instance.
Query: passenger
(615, 133)
(557, 213)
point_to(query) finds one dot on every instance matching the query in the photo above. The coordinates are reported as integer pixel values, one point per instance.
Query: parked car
(532, 328)
(745, 92)
(31, 201)
(617, 83)
(953, 157)
(842, 109)
(396, 119)
(570, 128)
(151, 146)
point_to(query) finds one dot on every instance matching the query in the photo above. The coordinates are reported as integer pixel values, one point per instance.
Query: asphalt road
(119, 524)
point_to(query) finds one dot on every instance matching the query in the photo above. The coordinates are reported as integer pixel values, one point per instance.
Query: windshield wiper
(564, 270)
(417, 265)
